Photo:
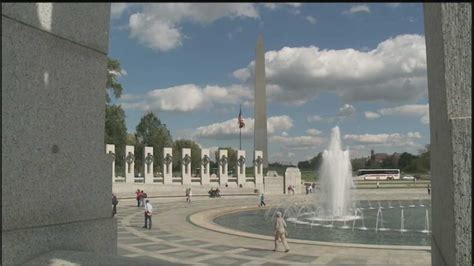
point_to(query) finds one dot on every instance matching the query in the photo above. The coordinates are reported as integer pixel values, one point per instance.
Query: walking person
(188, 195)
(262, 198)
(114, 204)
(279, 231)
(429, 189)
(148, 213)
(143, 196)
(137, 193)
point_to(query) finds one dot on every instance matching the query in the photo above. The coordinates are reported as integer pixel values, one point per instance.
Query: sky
(361, 67)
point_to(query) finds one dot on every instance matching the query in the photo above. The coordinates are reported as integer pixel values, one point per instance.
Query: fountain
(336, 179)
(323, 216)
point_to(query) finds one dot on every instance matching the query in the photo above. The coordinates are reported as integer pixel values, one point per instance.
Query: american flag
(241, 120)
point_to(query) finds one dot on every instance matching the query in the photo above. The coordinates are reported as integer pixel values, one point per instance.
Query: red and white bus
(378, 174)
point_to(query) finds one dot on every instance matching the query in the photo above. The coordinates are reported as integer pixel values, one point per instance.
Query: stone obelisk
(260, 113)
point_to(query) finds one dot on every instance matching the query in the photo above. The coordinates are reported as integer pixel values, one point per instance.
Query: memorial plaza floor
(175, 240)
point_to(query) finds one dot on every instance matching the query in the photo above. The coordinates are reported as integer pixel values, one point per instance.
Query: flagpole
(240, 133)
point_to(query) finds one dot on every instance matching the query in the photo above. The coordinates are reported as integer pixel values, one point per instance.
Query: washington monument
(260, 111)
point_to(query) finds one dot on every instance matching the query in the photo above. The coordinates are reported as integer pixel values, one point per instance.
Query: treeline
(407, 162)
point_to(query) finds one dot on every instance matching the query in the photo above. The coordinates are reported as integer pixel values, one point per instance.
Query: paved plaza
(174, 240)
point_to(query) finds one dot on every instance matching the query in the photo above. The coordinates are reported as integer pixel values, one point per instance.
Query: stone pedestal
(186, 166)
(241, 167)
(223, 163)
(167, 165)
(293, 177)
(54, 70)
(274, 184)
(129, 164)
(148, 165)
(448, 30)
(110, 149)
(205, 166)
(258, 167)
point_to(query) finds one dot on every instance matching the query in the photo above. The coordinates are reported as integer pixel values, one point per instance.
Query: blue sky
(361, 67)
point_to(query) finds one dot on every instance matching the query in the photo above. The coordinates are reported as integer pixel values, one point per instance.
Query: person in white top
(279, 231)
(148, 213)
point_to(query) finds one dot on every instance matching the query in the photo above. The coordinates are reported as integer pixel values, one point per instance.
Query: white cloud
(311, 19)
(298, 142)
(387, 140)
(313, 132)
(189, 97)
(411, 110)
(284, 133)
(346, 110)
(314, 118)
(393, 5)
(117, 9)
(371, 115)
(273, 6)
(229, 129)
(158, 25)
(395, 71)
(357, 9)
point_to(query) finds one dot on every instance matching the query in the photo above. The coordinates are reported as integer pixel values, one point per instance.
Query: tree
(151, 132)
(358, 163)
(116, 132)
(113, 86)
(388, 162)
(178, 145)
(231, 158)
(405, 161)
(115, 129)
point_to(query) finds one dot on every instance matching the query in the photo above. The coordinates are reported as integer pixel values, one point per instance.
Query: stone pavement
(173, 240)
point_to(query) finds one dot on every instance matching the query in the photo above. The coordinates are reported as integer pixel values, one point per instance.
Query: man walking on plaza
(148, 213)
(114, 204)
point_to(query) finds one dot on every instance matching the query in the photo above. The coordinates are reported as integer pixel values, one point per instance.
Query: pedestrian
(143, 196)
(262, 198)
(307, 189)
(279, 231)
(114, 204)
(148, 213)
(293, 189)
(378, 184)
(189, 193)
(137, 193)
(289, 189)
(429, 189)
(310, 188)
(313, 186)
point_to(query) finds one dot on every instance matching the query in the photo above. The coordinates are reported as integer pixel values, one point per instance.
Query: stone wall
(56, 187)
(448, 28)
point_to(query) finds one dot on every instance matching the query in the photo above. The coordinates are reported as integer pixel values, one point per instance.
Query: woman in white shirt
(280, 231)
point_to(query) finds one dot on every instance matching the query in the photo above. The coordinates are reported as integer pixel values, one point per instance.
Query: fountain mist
(336, 178)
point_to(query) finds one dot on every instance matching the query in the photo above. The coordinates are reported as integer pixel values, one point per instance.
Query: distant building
(379, 157)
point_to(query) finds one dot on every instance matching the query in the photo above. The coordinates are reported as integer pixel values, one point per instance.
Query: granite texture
(274, 184)
(99, 236)
(241, 173)
(448, 29)
(148, 170)
(185, 169)
(56, 187)
(84, 23)
(260, 137)
(52, 150)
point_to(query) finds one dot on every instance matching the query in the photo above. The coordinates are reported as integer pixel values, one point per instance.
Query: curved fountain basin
(358, 231)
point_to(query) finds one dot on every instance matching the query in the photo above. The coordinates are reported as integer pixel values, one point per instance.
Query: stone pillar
(448, 29)
(110, 149)
(223, 163)
(293, 177)
(54, 70)
(167, 165)
(129, 164)
(258, 167)
(205, 166)
(241, 167)
(148, 165)
(186, 166)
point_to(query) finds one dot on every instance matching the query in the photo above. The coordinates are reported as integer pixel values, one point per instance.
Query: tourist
(310, 188)
(429, 189)
(218, 192)
(114, 204)
(262, 198)
(188, 195)
(307, 189)
(138, 197)
(289, 190)
(143, 196)
(148, 213)
(279, 231)
(313, 186)
(293, 189)
(378, 184)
